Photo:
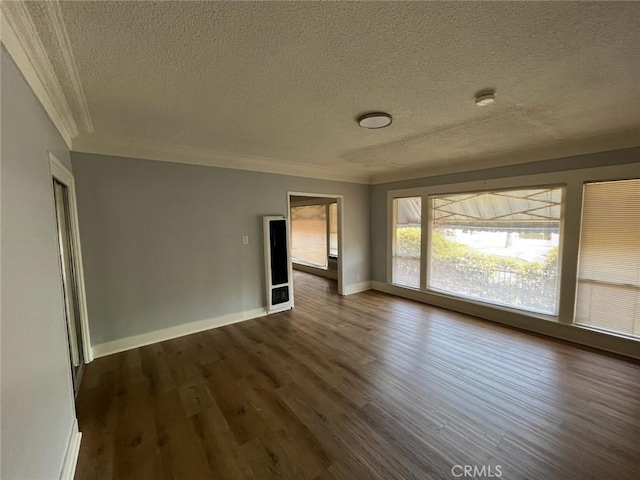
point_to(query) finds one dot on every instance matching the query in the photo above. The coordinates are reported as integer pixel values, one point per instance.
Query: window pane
(406, 241)
(333, 229)
(309, 235)
(609, 269)
(499, 247)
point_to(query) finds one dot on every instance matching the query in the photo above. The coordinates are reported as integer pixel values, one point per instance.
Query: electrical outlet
(245, 240)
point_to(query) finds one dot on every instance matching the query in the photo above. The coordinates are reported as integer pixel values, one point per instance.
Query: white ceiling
(277, 86)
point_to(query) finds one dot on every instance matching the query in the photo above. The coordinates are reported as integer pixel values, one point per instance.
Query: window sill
(506, 308)
(323, 272)
(477, 303)
(310, 265)
(480, 303)
(540, 324)
(604, 331)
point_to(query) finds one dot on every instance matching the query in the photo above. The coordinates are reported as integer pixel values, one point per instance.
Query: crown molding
(562, 149)
(131, 148)
(22, 59)
(126, 147)
(72, 77)
(21, 39)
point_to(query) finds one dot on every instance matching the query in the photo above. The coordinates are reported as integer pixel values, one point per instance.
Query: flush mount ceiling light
(485, 98)
(374, 120)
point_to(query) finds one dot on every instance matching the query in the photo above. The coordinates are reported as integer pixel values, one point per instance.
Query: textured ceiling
(285, 81)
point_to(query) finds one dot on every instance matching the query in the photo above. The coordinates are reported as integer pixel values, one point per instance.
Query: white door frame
(64, 176)
(340, 200)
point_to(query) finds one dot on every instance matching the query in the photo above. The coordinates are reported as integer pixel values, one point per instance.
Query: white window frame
(64, 176)
(571, 214)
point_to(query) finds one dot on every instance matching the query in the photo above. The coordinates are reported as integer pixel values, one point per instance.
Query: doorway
(316, 229)
(70, 270)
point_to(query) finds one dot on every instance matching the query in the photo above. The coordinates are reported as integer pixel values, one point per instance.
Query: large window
(564, 245)
(499, 247)
(309, 235)
(609, 268)
(406, 241)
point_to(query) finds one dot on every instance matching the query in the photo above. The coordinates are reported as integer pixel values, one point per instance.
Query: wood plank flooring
(362, 387)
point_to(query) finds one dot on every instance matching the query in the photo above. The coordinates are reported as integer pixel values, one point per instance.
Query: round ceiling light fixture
(485, 98)
(375, 120)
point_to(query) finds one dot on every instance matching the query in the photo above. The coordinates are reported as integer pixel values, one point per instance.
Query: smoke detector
(485, 98)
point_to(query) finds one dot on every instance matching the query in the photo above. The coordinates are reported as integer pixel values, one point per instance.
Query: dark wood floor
(364, 387)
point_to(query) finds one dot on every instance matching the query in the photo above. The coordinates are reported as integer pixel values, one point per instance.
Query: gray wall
(37, 400)
(161, 241)
(379, 192)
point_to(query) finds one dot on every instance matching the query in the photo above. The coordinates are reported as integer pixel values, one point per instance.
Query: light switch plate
(245, 240)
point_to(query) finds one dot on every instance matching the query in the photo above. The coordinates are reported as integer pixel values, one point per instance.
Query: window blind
(309, 235)
(333, 229)
(609, 267)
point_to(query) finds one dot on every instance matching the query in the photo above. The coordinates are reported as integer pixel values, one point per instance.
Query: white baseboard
(71, 455)
(164, 334)
(564, 331)
(357, 288)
